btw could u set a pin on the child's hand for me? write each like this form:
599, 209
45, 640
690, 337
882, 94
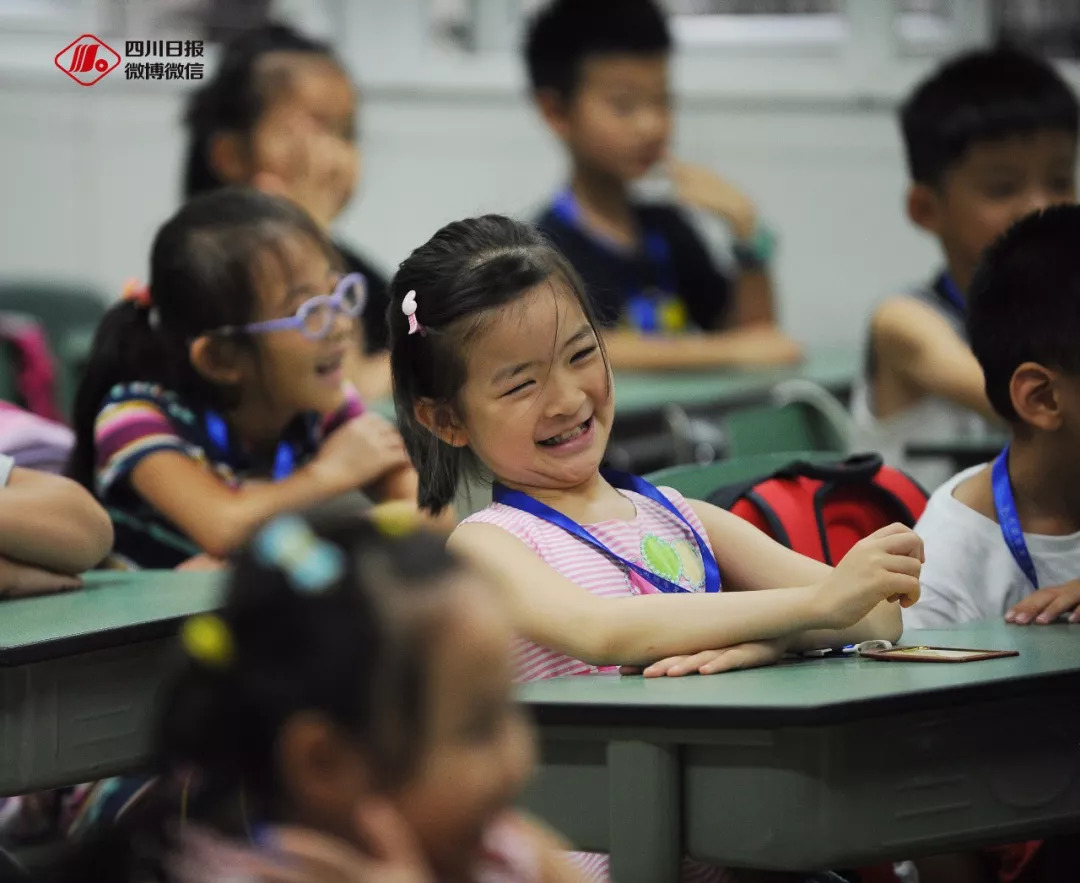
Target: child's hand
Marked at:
884, 566
358, 452
754, 654
1047, 605
22, 580
705, 189
309, 166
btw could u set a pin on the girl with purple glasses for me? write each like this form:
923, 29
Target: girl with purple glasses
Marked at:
217, 398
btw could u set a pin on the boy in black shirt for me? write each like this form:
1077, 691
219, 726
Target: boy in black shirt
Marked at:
600, 79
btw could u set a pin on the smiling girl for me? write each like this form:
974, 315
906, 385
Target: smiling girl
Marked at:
216, 398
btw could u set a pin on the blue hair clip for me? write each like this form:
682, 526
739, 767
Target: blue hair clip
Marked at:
310, 564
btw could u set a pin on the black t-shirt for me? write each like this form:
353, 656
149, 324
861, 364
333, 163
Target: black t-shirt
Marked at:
376, 335
616, 280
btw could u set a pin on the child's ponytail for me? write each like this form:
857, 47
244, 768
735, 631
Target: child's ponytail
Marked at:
127, 346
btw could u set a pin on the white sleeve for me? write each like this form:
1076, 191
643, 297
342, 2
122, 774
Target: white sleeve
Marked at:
6, 465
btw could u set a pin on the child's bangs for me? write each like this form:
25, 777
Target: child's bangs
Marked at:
514, 274
271, 255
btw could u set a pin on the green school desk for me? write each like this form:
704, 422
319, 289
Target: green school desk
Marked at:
79, 673
818, 763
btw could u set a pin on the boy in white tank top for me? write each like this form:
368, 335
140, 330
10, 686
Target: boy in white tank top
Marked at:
989, 137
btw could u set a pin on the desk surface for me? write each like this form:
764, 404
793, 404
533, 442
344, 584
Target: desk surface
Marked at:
809, 691
113, 608
643, 391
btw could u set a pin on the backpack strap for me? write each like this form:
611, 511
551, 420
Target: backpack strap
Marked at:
858, 468
727, 496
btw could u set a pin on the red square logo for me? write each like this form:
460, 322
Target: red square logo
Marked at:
87, 59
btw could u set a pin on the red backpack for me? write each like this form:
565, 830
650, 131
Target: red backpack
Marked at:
823, 509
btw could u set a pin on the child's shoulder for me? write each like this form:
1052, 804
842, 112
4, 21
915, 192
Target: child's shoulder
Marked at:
528, 528
904, 324
961, 511
907, 309
144, 404
149, 395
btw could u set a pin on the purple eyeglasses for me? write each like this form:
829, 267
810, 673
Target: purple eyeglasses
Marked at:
314, 317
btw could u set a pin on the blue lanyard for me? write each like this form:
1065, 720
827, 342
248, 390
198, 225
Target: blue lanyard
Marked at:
1005, 505
218, 430
641, 305
624, 481
951, 290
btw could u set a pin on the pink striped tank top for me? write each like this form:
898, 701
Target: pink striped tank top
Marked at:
654, 539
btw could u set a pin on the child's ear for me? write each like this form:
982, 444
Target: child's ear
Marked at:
321, 769
227, 155
924, 207
1035, 396
554, 108
217, 360
441, 421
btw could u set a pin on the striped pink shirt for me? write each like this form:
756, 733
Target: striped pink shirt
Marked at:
654, 539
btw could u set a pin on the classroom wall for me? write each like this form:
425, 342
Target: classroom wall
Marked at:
86, 175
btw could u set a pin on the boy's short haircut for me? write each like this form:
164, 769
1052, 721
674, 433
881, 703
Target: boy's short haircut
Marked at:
1024, 303
567, 32
980, 96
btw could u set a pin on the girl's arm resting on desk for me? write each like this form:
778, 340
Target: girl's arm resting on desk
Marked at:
763, 563
759, 562
554, 612
52, 522
18, 580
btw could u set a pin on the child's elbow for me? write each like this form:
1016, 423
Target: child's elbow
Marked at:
220, 541
601, 642
100, 537
90, 530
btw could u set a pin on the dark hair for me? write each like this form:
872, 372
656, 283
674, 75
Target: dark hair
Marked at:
354, 652
565, 33
1024, 303
237, 95
203, 276
981, 96
461, 276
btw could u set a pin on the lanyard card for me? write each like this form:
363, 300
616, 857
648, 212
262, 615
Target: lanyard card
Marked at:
935, 654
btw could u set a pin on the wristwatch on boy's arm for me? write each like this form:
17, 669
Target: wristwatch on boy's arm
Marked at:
754, 252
